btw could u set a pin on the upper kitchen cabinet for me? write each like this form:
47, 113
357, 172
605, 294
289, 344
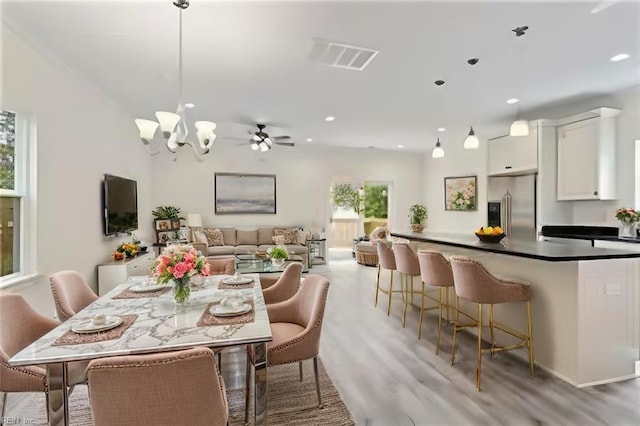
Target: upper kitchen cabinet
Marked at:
587, 156
514, 155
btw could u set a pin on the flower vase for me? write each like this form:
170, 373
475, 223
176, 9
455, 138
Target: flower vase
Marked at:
277, 262
627, 229
181, 290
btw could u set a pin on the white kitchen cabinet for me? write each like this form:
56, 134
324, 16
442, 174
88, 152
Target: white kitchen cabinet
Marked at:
587, 157
116, 272
511, 155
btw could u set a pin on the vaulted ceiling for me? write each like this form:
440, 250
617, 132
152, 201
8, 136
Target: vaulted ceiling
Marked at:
248, 62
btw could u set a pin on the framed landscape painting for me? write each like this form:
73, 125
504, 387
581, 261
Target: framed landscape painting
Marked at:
241, 193
461, 193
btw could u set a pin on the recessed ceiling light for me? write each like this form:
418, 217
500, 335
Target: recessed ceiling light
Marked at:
513, 101
189, 105
330, 118
620, 57
309, 140
400, 146
441, 129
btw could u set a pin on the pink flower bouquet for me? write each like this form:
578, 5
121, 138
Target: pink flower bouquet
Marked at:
180, 262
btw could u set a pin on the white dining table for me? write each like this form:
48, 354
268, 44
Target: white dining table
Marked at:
160, 326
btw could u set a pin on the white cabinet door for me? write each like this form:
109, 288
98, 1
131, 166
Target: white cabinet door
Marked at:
510, 155
578, 160
114, 273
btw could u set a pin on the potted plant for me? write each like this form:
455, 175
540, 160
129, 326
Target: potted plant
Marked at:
278, 255
166, 212
417, 217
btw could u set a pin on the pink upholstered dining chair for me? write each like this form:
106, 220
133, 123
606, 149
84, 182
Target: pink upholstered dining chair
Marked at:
435, 270
71, 293
20, 326
296, 325
474, 283
222, 266
286, 286
386, 260
170, 388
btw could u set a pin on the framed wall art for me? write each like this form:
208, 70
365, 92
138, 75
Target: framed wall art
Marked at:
461, 193
243, 193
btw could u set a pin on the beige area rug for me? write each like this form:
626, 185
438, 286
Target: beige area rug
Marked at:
291, 402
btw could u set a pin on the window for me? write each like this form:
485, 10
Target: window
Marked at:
17, 187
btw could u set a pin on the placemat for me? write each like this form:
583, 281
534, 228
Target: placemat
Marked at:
128, 294
72, 338
207, 319
223, 286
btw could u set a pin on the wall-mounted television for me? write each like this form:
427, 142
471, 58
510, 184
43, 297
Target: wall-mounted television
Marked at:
120, 205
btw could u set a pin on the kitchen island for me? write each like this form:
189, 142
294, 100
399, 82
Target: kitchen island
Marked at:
585, 302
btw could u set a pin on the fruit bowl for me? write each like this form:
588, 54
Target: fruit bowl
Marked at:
490, 238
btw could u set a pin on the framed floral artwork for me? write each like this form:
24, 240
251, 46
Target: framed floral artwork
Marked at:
461, 193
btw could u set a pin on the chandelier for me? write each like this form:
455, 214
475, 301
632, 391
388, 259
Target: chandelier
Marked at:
174, 125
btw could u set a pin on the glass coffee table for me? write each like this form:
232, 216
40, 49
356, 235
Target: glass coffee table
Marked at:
249, 263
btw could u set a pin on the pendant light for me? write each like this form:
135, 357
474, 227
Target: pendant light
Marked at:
519, 127
437, 152
471, 141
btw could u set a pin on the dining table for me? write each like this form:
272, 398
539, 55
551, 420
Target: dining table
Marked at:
152, 322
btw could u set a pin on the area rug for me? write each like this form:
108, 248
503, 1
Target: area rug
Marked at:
291, 402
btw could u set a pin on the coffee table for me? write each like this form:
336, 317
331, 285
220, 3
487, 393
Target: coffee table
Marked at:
248, 263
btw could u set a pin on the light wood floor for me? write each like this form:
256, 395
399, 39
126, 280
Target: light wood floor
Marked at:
387, 376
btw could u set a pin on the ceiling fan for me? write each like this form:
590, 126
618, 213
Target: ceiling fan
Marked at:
261, 140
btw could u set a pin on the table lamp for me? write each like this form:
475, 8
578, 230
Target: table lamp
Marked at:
194, 220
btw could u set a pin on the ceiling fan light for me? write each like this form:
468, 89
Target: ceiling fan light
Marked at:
147, 129
168, 122
264, 147
519, 128
268, 141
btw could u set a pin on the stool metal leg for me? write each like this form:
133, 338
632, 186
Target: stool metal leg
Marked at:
455, 330
421, 310
405, 282
491, 336
479, 366
390, 291
377, 286
442, 296
530, 338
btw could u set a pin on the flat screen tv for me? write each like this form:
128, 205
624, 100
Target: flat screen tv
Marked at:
120, 205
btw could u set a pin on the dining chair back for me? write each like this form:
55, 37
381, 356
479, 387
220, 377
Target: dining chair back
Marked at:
408, 266
386, 260
222, 266
71, 293
435, 270
170, 388
286, 286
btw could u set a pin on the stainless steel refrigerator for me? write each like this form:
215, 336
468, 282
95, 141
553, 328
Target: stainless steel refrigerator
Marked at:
523, 204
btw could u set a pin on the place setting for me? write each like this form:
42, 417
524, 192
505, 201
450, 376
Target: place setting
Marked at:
99, 328
143, 287
236, 281
228, 308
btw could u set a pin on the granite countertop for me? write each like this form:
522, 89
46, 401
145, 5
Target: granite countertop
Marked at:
540, 250
602, 233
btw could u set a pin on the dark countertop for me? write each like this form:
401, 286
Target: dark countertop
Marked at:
602, 233
540, 250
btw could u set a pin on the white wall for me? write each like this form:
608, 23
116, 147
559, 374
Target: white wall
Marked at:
303, 178
82, 134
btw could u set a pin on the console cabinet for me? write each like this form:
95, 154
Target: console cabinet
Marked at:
510, 155
587, 157
116, 272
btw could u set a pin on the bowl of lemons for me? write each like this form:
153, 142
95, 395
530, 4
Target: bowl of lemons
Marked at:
490, 234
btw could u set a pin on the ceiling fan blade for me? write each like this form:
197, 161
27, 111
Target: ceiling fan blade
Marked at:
284, 143
281, 138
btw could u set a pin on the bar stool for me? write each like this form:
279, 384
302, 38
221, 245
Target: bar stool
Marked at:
435, 270
408, 266
474, 283
386, 260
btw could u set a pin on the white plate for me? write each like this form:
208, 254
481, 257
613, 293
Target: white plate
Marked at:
138, 278
88, 326
144, 288
239, 281
229, 311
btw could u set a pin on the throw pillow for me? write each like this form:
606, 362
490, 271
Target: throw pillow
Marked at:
290, 235
302, 237
200, 237
214, 237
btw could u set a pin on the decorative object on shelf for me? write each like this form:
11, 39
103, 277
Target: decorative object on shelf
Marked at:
167, 224
174, 125
177, 265
460, 193
278, 255
417, 217
628, 219
125, 250
166, 212
243, 193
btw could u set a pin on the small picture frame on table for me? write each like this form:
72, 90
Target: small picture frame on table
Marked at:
164, 224
175, 224
165, 236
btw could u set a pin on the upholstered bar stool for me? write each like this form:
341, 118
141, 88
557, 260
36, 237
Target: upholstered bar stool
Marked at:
386, 260
408, 266
474, 283
435, 270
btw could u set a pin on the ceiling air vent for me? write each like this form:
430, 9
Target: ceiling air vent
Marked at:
341, 55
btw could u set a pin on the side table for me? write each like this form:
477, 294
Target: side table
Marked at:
317, 251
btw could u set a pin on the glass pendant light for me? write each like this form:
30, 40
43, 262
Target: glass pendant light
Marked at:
437, 152
472, 141
519, 128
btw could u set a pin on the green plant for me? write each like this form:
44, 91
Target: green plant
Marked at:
375, 201
278, 253
418, 214
347, 196
166, 212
